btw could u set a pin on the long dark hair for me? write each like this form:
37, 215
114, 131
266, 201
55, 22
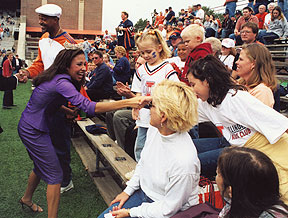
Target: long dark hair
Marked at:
60, 66
254, 182
215, 73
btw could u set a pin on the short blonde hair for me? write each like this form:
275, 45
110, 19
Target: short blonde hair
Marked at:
178, 102
194, 30
121, 50
156, 37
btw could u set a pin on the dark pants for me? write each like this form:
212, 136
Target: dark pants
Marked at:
8, 98
98, 94
60, 133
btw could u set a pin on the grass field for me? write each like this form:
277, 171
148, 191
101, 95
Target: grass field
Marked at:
15, 165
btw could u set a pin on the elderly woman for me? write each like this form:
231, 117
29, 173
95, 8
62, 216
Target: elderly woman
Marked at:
167, 175
121, 70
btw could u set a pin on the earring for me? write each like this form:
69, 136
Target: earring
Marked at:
161, 124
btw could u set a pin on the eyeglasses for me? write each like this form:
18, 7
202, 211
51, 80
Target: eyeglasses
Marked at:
245, 31
95, 58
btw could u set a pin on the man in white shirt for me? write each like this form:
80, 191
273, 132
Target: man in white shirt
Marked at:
200, 13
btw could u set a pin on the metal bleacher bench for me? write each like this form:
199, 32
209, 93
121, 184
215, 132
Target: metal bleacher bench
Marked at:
117, 158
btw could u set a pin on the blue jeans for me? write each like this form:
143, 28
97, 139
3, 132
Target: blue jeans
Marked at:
284, 7
209, 150
135, 200
231, 7
140, 142
267, 38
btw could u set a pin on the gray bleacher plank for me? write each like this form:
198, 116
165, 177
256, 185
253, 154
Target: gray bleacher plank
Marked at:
110, 153
106, 185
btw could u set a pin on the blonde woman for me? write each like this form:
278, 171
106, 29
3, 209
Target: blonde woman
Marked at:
257, 72
121, 70
167, 175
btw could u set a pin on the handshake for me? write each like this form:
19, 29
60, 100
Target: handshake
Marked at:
22, 76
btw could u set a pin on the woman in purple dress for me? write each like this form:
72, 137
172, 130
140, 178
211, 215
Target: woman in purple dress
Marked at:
61, 82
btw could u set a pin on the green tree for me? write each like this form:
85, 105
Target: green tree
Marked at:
140, 25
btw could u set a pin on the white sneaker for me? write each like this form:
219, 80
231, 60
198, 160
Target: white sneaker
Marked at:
67, 188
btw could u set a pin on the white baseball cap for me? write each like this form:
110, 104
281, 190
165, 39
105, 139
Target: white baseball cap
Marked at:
50, 10
228, 43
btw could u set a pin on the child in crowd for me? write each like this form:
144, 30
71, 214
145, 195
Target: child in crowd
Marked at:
154, 50
193, 37
244, 120
248, 181
228, 53
178, 62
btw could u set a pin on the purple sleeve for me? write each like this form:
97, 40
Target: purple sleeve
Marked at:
68, 91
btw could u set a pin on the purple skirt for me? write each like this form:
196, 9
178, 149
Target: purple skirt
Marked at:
41, 152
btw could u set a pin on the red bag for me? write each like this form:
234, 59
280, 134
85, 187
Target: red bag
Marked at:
209, 192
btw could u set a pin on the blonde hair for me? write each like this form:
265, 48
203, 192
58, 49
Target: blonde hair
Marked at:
156, 37
264, 70
215, 44
121, 50
194, 30
178, 102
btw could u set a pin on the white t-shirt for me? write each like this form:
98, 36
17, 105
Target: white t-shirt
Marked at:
180, 64
267, 20
241, 115
145, 78
227, 60
200, 13
168, 172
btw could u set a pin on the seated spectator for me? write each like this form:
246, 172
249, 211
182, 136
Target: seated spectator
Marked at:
261, 16
250, 189
174, 39
178, 62
228, 53
227, 26
179, 27
247, 17
148, 26
110, 46
102, 45
121, 70
257, 3
169, 31
161, 188
162, 30
193, 37
107, 61
257, 72
101, 84
215, 45
107, 36
248, 33
211, 26
91, 67
267, 20
240, 117
277, 28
